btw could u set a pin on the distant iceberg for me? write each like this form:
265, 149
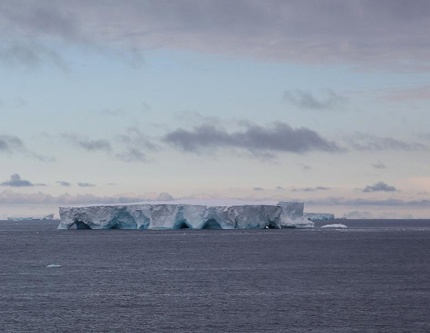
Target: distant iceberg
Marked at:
30, 218
334, 226
191, 214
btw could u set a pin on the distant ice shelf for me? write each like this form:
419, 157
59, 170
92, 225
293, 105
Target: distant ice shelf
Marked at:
29, 218
192, 214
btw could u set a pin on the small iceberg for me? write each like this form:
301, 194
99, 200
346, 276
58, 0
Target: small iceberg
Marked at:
334, 226
53, 266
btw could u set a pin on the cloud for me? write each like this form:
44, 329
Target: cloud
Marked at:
86, 184
306, 100
368, 142
135, 138
379, 165
258, 189
392, 202
11, 144
30, 55
380, 187
164, 196
16, 181
311, 189
279, 188
63, 183
11, 197
367, 33
136, 144
405, 95
132, 155
278, 137
88, 144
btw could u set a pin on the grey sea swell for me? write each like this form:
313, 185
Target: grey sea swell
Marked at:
372, 278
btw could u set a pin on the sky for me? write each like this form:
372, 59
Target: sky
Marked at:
325, 102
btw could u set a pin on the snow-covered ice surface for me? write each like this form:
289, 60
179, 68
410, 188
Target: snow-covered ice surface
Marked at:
319, 216
334, 226
193, 214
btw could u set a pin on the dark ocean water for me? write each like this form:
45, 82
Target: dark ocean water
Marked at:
372, 277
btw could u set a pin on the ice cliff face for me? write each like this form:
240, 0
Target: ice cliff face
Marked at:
175, 215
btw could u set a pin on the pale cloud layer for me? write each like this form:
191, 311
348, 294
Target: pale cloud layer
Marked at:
365, 32
370, 142
13, 145
87, 144
308, 101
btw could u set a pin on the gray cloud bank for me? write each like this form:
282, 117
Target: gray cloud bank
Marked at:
380, 187
368, 32
278, 137
261, 141
16, 181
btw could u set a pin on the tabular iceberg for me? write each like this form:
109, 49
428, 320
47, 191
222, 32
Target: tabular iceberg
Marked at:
187, 214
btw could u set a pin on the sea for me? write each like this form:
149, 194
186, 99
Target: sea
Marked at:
372, 277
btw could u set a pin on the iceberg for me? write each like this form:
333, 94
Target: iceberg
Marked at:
30, 218
334, 226
218, 214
